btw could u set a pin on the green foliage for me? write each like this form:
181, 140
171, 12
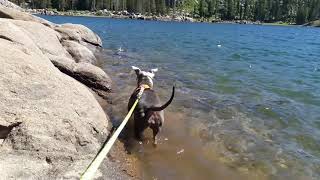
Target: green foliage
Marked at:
202, 8
299, 11
301, 15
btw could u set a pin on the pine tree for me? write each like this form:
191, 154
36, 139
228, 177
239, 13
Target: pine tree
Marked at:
299, 11
301, 15
230, 10
153, 6
211, 8
201, 8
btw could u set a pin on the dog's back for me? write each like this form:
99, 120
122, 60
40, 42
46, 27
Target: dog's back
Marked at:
148, 100
149, 111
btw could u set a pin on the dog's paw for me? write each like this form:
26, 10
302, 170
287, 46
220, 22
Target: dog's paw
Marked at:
155, 145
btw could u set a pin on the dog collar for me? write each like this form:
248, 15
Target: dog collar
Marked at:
141, 88
145, 86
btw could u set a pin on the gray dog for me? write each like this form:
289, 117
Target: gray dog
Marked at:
149, 111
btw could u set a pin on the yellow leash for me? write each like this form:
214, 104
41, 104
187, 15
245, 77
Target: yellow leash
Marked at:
93, 167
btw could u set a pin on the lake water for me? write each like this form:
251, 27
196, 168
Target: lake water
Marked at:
247, 101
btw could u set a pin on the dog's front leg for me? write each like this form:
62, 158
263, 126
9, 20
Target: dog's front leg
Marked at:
139, 127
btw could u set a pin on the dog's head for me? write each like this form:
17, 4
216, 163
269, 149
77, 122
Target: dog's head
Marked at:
145, 77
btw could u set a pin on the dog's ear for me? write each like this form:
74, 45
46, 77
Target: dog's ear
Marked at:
154, 70
136, 69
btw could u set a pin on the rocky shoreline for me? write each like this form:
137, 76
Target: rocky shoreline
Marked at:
113, 14
137, 16
177, 17
315, 23
52, 124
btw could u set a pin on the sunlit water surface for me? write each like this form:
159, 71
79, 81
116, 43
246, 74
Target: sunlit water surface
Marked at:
247, 101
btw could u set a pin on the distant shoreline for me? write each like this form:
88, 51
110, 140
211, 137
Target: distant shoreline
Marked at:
168, 18
126, 15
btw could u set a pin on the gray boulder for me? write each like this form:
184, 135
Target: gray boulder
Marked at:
86, 73
79, 52
46, 39
13, 33
9, 4
13, 13
93, 77
64, 64
79, 33
70, 43
49, 122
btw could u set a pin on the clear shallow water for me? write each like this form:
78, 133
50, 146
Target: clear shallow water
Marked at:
253, 103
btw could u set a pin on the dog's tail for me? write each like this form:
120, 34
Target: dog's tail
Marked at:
165, 105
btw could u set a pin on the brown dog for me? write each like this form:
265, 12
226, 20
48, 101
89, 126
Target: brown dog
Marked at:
149, 111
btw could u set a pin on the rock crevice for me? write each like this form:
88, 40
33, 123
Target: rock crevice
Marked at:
5, 130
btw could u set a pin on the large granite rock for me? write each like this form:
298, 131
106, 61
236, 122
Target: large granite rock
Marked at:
9, 4
16, 13
50, 123
81, 34
9, 31
63, 42
79, 52
87, 74
45, 38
